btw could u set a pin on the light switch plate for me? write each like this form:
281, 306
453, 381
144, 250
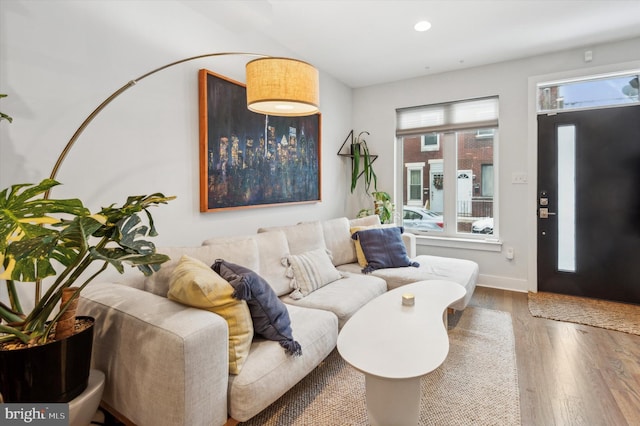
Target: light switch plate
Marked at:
509, 254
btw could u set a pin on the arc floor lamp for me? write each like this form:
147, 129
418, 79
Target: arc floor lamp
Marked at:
275, 86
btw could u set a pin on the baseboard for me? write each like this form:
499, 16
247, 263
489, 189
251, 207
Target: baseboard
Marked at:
503, 283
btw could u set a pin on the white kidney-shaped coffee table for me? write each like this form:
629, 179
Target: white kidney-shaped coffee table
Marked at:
394, 345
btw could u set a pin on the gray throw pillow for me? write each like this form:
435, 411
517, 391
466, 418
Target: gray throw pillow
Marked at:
269, 315
383, 248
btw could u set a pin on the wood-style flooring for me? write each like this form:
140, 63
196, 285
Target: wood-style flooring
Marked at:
570, 374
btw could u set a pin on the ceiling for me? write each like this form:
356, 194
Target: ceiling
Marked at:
363, 43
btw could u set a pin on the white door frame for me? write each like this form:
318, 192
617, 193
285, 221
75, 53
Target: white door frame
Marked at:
532, 151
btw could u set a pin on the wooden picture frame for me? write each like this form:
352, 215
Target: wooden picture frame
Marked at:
239, 166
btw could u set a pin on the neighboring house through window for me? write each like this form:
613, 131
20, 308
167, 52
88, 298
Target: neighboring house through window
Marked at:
448, 164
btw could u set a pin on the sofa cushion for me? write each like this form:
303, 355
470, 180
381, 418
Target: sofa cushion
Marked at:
269, 315
337, 237
301, 237
383, 248
343, 297
269, 373
309, 271
271, 248
370, 220
243, 250
461, 271
195, 284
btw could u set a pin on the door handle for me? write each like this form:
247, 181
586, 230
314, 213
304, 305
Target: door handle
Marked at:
544, 213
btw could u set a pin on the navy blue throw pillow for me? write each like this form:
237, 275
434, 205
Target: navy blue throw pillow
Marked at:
383, 248
269, 315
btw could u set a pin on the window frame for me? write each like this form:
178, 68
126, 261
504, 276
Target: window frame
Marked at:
450, 237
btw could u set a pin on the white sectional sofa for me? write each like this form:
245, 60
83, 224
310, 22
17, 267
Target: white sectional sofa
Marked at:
167, 363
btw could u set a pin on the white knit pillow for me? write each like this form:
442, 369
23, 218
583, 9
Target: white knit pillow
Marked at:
309, 271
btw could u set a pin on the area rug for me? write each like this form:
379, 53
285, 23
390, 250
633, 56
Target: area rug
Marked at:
476, 385
582, 310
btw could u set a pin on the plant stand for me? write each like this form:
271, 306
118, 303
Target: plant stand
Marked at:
83, 407
349, 138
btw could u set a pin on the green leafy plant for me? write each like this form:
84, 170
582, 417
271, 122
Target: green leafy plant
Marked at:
4, 116
360, 154
382, 206
42, 238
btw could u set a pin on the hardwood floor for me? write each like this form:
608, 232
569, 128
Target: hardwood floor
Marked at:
570, 374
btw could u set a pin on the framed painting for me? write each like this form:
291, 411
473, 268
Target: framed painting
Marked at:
249, 159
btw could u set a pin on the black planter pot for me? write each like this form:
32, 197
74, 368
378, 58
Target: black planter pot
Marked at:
55, 372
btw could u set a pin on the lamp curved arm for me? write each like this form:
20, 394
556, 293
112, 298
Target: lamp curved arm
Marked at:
118, 92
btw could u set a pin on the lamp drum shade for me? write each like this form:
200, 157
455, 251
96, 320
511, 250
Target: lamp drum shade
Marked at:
282, 86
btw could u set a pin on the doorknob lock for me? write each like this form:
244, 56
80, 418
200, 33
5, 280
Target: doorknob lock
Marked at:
544, 213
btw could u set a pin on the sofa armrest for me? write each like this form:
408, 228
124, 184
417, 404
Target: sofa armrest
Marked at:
164, 363
409, 240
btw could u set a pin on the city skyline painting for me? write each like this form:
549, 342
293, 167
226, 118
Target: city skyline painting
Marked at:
249, 159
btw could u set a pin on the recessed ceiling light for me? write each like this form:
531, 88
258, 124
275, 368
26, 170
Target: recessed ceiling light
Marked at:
422, 26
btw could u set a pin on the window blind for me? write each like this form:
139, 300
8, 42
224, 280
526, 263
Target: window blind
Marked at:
450, 116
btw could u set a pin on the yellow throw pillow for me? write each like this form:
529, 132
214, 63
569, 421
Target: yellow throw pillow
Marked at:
195, 284
362, 260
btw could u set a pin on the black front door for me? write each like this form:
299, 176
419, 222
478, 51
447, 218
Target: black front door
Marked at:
589, 203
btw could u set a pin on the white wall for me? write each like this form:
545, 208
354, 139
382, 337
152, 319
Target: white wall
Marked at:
374, 110
60, 59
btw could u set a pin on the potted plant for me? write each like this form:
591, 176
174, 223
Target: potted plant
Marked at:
382, 206
360, 153
61, 239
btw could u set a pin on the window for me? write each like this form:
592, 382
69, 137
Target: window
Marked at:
607, 90
484, 133
453, 180
415, 185
430, 142
487, 180
415, 182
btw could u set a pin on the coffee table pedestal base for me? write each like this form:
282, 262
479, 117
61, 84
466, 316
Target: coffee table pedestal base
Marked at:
395, 344
392, 401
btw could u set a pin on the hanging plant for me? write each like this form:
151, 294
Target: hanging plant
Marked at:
362, 157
